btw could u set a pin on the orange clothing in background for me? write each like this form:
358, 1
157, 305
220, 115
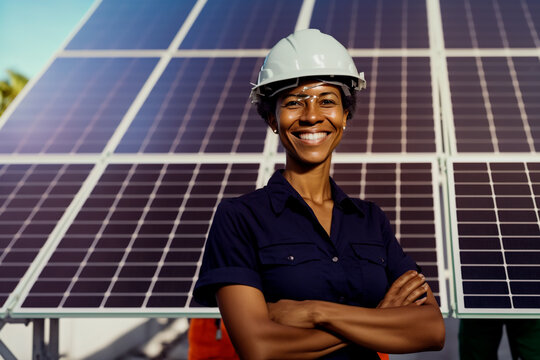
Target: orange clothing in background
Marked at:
207, 343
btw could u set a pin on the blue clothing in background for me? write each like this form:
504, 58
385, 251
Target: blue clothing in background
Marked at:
270, 239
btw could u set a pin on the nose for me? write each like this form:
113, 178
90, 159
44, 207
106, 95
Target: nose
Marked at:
312, 112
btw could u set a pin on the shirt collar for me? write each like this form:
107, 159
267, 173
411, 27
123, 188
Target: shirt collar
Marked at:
280, 191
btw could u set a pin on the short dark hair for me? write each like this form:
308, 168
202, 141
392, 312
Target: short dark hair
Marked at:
267, 104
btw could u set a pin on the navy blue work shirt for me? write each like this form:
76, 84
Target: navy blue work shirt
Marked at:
270, 239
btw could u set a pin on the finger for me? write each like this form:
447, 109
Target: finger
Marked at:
406, 277
413, 284
414, 295
396, 286
402, 288
420, 301
411, 290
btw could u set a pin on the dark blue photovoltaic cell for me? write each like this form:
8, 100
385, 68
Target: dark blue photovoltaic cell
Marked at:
510, 122
75, 107
199, 105
132, 24
138, 238
498, 234
33, 198
490, 23
373, 24
242, 24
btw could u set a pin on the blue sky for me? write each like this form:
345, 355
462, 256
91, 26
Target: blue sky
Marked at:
31, 31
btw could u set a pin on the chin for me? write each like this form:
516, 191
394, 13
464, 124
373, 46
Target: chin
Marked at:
310, 160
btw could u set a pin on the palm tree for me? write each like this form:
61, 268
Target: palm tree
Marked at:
11, 88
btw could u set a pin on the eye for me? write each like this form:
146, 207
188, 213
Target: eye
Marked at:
328, 102
292, 104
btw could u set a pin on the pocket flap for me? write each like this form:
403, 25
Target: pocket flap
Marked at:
289, 253
371, 252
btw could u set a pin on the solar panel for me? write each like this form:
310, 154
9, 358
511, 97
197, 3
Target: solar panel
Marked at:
132, 24
395, 113
75, 106
165, 134
496, 237
375, 24
495, 103
137, 240
33, 198
490, 23
242, 24
200, 105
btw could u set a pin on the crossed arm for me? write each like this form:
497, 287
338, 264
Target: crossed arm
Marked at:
310, 329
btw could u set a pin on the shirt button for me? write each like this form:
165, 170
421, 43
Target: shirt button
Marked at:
335, 259
290, 258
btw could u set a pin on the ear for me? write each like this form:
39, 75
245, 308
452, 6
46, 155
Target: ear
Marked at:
345, 115
272, 122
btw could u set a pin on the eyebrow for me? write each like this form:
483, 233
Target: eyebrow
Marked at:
304, 95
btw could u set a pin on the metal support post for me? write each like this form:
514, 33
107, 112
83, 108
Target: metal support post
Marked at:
41, 349
54, 330
38, 340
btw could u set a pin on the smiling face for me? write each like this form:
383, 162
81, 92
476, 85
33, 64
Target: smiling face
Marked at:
310, 120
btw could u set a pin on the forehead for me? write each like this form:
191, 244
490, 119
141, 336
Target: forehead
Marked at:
312, 87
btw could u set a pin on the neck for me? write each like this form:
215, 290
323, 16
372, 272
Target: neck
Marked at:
312, 183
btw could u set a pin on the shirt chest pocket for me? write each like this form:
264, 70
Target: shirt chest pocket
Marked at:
372, 253
290, 271
289, 254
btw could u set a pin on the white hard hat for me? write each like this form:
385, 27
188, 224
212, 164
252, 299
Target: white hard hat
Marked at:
307, 53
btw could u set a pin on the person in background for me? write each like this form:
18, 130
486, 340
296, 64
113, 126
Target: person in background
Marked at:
299, 269
479, 339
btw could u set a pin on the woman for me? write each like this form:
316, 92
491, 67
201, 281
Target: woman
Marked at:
298, 269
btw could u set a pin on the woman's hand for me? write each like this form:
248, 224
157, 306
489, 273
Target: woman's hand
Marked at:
406, 290
292, 313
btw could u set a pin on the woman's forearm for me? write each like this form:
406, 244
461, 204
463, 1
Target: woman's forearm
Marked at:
274, 341
393, 330
401, 323
256, 336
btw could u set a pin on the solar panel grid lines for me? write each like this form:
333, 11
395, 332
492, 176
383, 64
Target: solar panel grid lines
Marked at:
33, 199
398, 118
506, 86
199, 83
407, 18
495, 232
154, 76
242, 24
80, 102
128, 25
490, 24
132, 246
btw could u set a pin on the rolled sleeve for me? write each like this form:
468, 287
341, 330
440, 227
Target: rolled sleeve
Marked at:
229, 255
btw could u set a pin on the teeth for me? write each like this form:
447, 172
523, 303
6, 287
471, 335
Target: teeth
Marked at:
312, 136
